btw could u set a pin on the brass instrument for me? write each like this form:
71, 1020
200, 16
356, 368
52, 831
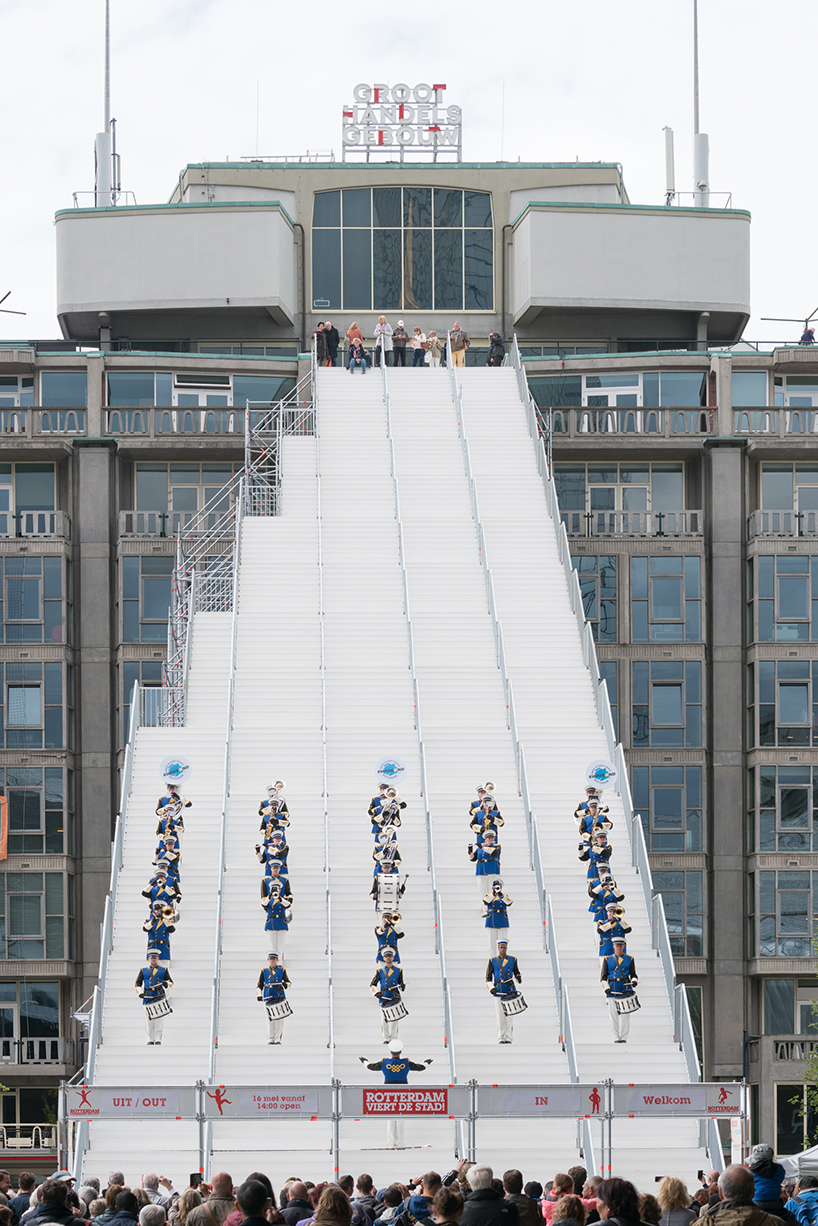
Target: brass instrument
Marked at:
619, 911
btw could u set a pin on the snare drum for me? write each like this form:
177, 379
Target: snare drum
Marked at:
277, 1011
158, 1008
513, 1004
395, 1013
627, 1004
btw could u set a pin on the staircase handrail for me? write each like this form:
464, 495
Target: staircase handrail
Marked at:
323, 670
636, 837
531, 406
430, 847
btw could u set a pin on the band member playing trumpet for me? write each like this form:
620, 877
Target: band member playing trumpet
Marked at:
387, 985
603, 891
387, 934
594, 820
274, 851
159, 925
279, 914
485, 801
597, 853
173, 800
172, 823
270, 990
496, 905
619, 975
168, 848
487, 856
501, 973
159, 891
152, 984
274, 880
610, 928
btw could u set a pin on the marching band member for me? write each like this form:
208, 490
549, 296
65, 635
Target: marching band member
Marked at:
272, 878
619, 974
168, 848
375, 806
152, 984
174, 800
389, 816
591, 793
485, 801
501, 972
387, 985
386, 852
274, 852
395, 1069
496, 905
159, 891
611, 927
485, 819
171, 822
597, 853
270, 990
384, 869
594, 820
486, 857
387, 935
273, 809
159, 926
279, 914
603, 892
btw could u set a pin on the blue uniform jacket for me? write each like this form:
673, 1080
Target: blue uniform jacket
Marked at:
159, 936
387, 984
607, 931
167, 897
618, 974
497, 916
172, 824
388, 940
598, 858
488, 862
503, 972
152, 982
268, 853
271, 984
276, 916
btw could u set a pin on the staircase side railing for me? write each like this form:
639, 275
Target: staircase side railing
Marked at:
636, 837
537, 423
448, 1021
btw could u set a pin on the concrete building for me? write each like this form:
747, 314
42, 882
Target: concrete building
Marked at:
687, 482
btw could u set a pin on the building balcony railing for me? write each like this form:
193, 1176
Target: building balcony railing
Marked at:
633, 523
28, 1136
158, 423
42, 423
791, 1047
660, 423
780, 423
34, 523
168, 523
36, 1051
782, 523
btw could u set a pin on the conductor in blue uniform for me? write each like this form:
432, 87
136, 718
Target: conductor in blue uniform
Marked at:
619, 976
396, 1069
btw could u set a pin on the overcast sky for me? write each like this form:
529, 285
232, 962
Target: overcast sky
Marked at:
596, 81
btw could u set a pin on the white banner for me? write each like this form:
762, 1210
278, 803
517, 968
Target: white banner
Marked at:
90, 1102
699, 1098
254, 1102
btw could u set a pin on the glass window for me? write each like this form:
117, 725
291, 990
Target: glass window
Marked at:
326, 209
749, 389
34, 487
263, 388
386, 207
326, 269
666, 604
25, 707
131, 389
597, 582
667, 700
477, 209
449, 269
63, 388
357, 269
417, 207
682, 389
387, 269
417, 270
478, 270
146, 598
682, 897
34, 928
448, 207
556, 391
357, 210
785, 912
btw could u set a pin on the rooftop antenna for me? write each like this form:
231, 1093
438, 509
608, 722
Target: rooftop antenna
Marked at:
7, 310
103, 196
768, 319
701, 142
670, 168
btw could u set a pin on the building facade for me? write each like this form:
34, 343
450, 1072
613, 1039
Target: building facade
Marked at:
687, 482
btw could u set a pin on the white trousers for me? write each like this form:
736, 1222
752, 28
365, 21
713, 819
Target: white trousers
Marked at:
154, 1027
434, 362
394, 1132
505, 1028
275, 941
275, 1029
620, 1022
389, 1030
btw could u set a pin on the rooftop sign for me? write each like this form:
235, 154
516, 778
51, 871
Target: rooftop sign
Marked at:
391, 118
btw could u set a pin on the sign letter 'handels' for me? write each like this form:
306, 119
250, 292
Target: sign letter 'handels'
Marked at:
389, 118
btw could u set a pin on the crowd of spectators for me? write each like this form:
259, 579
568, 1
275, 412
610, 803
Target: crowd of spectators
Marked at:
469, 1195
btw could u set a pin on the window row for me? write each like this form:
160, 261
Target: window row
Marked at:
666, 597
143, 389
35, 600
669, 802
41, 809
597, 488
782, 703
183, 489
682, 895
781, 907
25, 487
782, 804
782, 599
38, 918
790, 1006
676, 389
37, 706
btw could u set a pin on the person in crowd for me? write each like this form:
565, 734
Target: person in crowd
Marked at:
387, 934
612, 926
807, 336
273, 809
271, 989
359, 1217
486, 1206
387, 985
333, 1208
619, 975
357, 356
735, 1207
392, 1200
298, 1206
533, 1189
151, 1185
396, 1069
569, 1211
127, 1209
142, 1199
354, 333
562, 1185
111, 1193
768, 1176
486, 856
18, 1204
254, 1199
418, 343
598, 854
383, 341
497, 350
434, 347
96, 1208
447, 1207
650, 1211
152, 985
366, 1197
152, 1215
320, 345
332, 340
500, 975
579, 1176
220, 1203
803, 1203
278, 911
399, 338
158, 926
674, 1200
528, 1210
53, 1205
459, 343
188, 1200
618, 1201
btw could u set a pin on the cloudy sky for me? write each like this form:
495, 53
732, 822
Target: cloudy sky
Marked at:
593, 81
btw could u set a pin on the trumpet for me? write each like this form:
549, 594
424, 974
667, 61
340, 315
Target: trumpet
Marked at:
619, 911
